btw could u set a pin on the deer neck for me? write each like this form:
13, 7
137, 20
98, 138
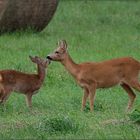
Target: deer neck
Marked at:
70, 65
41, 73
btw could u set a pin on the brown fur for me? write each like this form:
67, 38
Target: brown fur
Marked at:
28, 84
93, 75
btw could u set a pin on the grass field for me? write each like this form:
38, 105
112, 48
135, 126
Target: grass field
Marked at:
95, 31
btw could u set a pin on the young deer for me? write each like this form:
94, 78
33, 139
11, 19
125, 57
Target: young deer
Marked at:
93, 75
28, 84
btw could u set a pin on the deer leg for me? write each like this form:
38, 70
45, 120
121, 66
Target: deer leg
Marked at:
92, 91
29, 100
131, 95
84, 99
1, 93
135, 84
5, 97
1, 97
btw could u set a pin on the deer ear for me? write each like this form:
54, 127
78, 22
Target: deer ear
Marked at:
63, 44
32, 58
36, 57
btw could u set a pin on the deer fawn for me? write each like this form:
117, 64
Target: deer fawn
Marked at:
93, 75
28, 84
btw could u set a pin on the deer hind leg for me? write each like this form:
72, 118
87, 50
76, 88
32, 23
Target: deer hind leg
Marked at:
84, 99
131, 95
29, 100
135, 84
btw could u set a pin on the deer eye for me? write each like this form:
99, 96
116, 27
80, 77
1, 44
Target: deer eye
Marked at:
56, 52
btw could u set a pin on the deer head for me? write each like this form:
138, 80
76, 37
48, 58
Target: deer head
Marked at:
42, 62
60, 53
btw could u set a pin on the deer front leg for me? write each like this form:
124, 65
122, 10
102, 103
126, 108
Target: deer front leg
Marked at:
1, 97
5, 97
92, 91
84, 99
1, 93
29, 100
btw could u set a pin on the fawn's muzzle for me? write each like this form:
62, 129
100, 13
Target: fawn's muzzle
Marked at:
49, 61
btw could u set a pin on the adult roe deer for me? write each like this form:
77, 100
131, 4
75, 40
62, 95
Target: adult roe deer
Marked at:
28, 84
93, 75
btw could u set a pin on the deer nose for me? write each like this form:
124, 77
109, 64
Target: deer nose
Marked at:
48, 57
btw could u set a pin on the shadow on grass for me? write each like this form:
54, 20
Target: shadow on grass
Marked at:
57, 125
135, 115
98, 106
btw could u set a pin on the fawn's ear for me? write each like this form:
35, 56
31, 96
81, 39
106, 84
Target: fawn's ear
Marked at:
32, 58
63, 44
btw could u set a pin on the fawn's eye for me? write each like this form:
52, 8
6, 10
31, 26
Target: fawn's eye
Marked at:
56, 52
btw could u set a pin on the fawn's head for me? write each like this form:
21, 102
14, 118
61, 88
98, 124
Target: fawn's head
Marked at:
40, 61
60, 53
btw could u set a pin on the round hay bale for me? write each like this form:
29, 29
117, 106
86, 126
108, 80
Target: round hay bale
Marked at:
22, 14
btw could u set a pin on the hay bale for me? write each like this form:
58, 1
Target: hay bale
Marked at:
21, 14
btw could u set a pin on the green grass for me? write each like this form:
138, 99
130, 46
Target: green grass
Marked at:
95, 31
